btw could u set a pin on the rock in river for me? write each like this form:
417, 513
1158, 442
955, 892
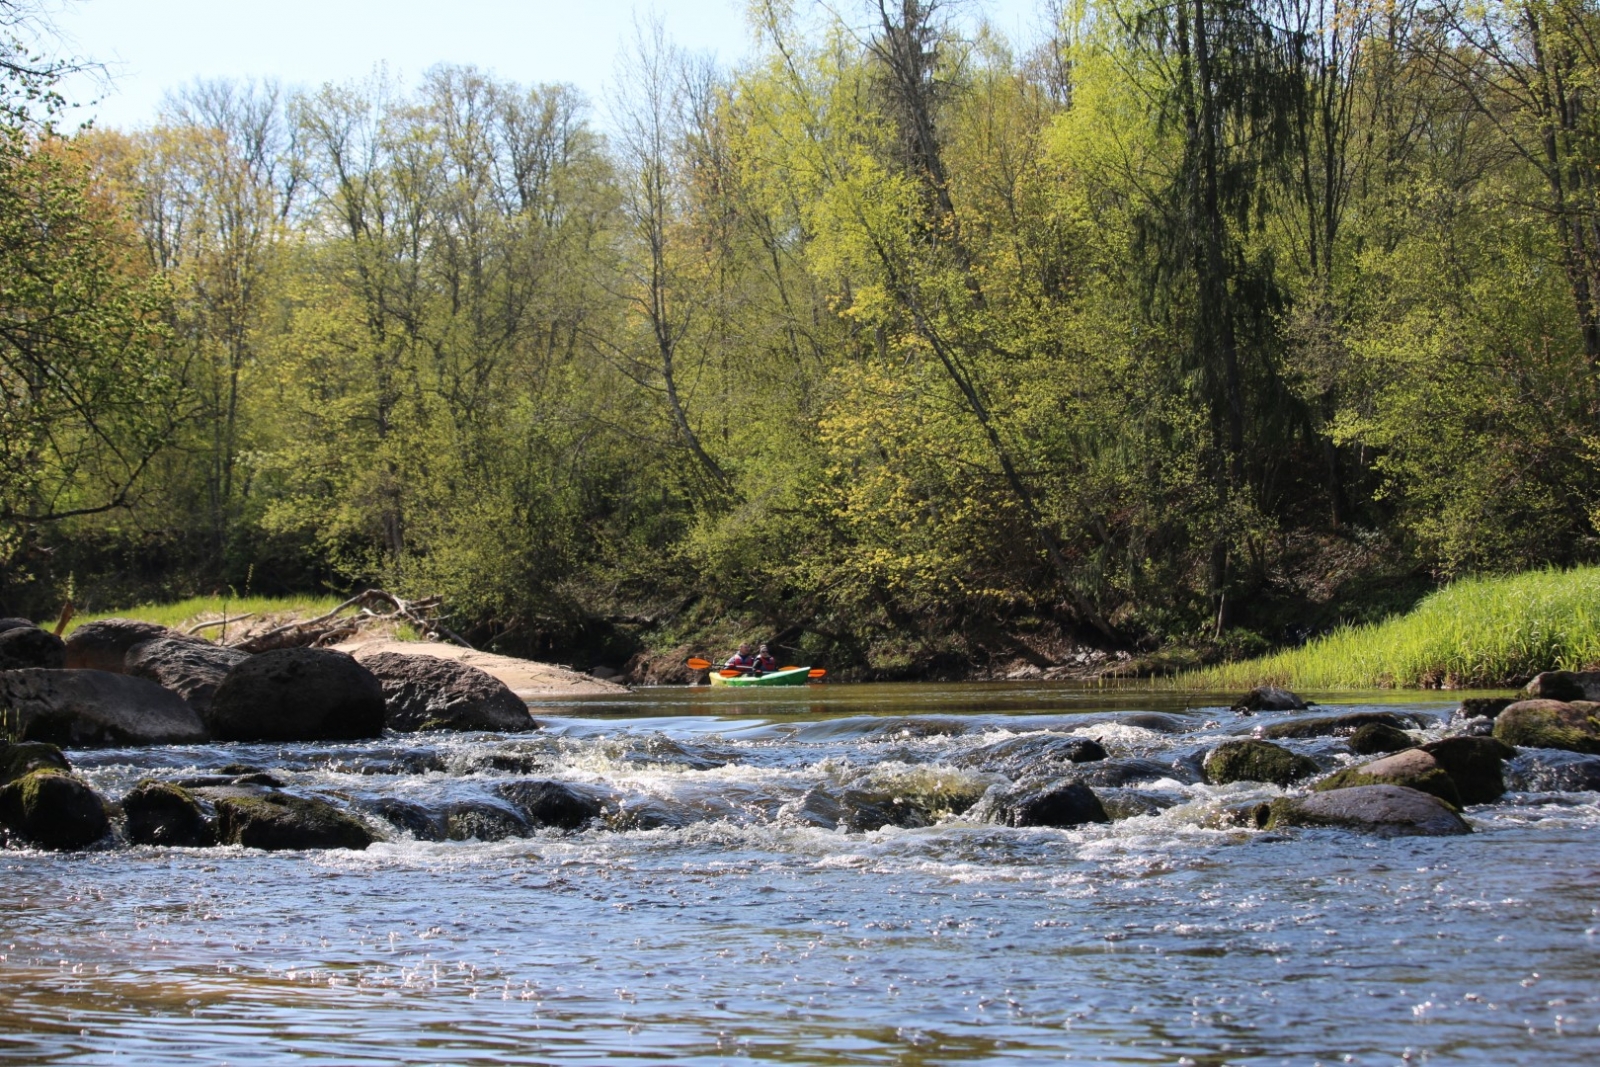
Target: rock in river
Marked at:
1256, 761
1413, 769
1376, 738
1385, 810
53, 810
1565, 685
1061, 805
1331, 725
426, 693
1551, 724
1475, 764
161, 813
192, 669
1269, 698
29, 646
103, 645
297, 694
95, 709
267, 819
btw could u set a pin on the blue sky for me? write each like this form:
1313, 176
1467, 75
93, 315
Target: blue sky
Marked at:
153, 46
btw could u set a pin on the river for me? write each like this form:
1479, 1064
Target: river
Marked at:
780, 878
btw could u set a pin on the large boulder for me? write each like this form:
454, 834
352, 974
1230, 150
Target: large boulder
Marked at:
1062, 805
53, 810
95, 709
427, 693
1413, 769
103, 645
192, 669
1332, 725
21, 758
267, 819
11, 623
28, 646
297, 694
1565, 686
1256, 761
1385, 810
161, 813
1268, 698
1475, 764
1572, 726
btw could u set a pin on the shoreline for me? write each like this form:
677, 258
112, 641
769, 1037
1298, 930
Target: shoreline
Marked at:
525, 677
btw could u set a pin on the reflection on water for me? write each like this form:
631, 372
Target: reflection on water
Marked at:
723, 914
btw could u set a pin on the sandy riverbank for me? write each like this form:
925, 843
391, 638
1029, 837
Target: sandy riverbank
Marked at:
525, 677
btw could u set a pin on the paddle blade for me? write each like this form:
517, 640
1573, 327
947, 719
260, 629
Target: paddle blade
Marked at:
698, 664
730, 673
816, 673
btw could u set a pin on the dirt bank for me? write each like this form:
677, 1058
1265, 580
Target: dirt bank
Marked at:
526, 678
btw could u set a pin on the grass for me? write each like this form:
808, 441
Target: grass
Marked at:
1476, 633
184, 613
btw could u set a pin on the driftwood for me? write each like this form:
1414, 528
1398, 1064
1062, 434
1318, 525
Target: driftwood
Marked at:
197, 627
334, 626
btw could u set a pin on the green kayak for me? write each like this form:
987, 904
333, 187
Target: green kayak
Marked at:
792, 676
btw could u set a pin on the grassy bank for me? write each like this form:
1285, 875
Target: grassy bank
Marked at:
1476, 633
184, 613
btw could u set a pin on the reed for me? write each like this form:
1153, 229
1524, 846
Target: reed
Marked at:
1475, 633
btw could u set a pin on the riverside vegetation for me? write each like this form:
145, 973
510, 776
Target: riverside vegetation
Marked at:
1202, 326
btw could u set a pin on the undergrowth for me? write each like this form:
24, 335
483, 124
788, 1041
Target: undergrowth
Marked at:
183, 613
1475, 633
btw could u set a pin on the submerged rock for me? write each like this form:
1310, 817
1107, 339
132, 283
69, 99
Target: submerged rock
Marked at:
297, 694
1376, 737
1574, 726
1032, 754
1565, 686
53, 810
426, 693
28, 646
192, 669
1385, 810
1256, 761
1481, 708
96, 709
414, 819
1413, 769
552, 804
161, 813
104, 645
1332, 725
274, 821
479, 821
1269, 698
1553, 771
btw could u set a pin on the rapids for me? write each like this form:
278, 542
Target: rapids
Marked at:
811, 877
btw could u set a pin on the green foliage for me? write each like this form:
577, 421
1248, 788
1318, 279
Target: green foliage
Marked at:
1480, 633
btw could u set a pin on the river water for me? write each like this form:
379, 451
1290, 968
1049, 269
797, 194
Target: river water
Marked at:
780, 877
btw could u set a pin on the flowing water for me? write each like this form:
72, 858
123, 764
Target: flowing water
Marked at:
783, 876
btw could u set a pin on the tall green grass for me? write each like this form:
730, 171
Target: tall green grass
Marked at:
1476, 633
183, 612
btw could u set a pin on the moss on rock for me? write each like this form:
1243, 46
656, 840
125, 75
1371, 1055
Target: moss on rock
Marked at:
274, 821
53, 810
1412, 769
1376, 738
161, 813
1256, 761
1550, 724
25, 757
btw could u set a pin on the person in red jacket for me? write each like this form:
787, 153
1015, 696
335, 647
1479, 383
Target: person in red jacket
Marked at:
764, 661
741, 660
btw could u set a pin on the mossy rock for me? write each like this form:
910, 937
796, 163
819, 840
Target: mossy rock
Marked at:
274, 821
161, 813
53, 810
1256, 761
1574, 726
24, 757
1474, 764
1332, 725
1384, 810
1377, 738
1412, 769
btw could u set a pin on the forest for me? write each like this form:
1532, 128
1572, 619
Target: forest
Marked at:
1189, 327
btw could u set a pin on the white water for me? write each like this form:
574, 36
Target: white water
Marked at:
724, 912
